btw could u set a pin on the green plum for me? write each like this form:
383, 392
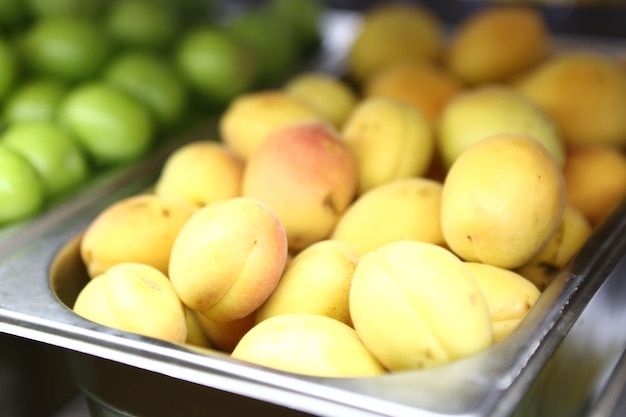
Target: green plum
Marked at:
142, 23
58, 160
35, 99
151, 80
111, 126
71, 48
305, 16
269, 37
191, 11
41, 8
216, 64
8, 68
21, 191
13, 14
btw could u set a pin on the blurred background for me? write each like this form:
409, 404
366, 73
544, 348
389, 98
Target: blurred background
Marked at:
586, 17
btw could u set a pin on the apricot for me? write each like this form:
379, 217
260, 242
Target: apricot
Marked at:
496, 44
307, 175
404, 209
574, 231
392, 32
329, 95
140, 228
224, 335
389, 139
250, 118
307, 344
421, 83
200, 173
502, 201
317, 280
595, 177
490, 110
584, 92
508, 294
136, 298
416, 305
195, 333
228, 257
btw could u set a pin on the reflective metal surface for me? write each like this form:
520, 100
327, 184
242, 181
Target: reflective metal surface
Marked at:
586, 376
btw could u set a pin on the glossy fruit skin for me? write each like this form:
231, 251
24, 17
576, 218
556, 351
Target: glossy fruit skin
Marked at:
65, 47
251, 245
137, 298
215, 64
42, 8
150, 79
21, 190
502, 201
271, 40
303, 16
58, 160
145, 24
36, 99
110, 126
13, 14
415, 305
8, 69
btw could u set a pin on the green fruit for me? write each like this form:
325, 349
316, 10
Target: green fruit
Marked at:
41, 8
142, 23
111, 126
21, 191
149, 79
36, 99
12, 14
196, 10
8, 69
59, 162
304, 16
269, 37
70, 48
216, 64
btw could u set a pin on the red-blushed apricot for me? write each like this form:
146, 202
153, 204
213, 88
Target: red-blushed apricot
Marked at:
250, 118
228, 258
307, 175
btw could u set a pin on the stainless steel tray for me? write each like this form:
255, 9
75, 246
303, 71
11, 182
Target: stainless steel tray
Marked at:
127, 374
488, 384
586, 375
